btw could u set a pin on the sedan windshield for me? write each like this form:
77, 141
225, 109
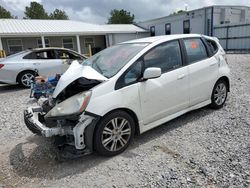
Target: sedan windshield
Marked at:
109, 61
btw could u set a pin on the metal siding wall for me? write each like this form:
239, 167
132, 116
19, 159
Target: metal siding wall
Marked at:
197, 24
220, 32
160, 29
234, 37
223, 43
239, 44
240, 31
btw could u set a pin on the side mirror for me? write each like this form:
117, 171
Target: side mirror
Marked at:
151, 72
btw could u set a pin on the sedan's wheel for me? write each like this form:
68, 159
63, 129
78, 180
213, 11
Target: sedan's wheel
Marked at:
25, 78
219, 95
114, 133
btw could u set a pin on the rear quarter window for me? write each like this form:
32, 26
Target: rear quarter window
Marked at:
212, 45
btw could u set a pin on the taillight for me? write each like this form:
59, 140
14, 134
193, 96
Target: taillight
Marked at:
1, 66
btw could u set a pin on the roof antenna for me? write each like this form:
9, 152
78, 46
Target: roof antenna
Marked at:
186, 7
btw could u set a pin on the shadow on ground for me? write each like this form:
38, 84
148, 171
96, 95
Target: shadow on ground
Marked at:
40, 162
5, 88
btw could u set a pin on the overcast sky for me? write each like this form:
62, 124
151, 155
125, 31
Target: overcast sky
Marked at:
97, 11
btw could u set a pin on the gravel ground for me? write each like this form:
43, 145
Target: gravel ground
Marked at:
204, 148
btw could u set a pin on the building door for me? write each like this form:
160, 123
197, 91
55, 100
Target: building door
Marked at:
186, 26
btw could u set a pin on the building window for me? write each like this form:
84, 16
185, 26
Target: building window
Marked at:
89, 41
40, 45
68, 43
152, 31
15, 45
186, 26
168, 29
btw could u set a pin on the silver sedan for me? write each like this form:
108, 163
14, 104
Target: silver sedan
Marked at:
21, 68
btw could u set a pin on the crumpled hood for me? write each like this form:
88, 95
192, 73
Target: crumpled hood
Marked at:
74, 72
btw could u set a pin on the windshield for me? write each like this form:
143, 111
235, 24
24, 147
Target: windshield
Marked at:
109, 61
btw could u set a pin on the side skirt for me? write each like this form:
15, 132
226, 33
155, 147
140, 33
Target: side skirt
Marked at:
144, 128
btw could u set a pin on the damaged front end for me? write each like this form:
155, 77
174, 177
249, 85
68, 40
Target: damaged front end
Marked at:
63, 115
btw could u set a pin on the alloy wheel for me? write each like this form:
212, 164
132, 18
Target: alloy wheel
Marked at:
26, 79
220, 94
116, 134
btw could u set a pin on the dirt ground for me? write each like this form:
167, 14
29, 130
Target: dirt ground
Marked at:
204, 148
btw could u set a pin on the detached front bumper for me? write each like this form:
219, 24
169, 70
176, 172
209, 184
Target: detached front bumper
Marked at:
31, 119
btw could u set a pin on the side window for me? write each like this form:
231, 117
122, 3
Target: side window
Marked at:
131, 76
166, 56
212, 46
196, 50
49, 54
74, 56
62, 54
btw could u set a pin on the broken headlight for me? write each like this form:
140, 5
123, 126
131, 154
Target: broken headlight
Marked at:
71, 106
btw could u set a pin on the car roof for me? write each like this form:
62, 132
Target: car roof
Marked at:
163, 38
51, 48
54, 48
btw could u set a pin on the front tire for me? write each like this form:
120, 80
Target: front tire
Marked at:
114, 133
25, 78
219, 95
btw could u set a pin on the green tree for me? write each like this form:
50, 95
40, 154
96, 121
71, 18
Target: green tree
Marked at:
59, 15
178, 12
120, 17
35, 11
4, 13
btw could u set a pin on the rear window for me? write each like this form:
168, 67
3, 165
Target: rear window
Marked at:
196, 50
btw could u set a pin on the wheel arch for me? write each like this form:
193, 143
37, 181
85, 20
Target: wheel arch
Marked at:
26, 70
131, 113
226, 79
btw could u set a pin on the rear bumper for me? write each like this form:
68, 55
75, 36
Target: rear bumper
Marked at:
34, 125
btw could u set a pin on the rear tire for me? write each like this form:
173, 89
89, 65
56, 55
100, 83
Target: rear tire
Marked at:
114, 133
25, 78
219, 95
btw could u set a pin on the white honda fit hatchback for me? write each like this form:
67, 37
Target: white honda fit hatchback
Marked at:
131, 88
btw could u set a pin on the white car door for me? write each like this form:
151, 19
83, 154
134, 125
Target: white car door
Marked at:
168, 94
45, 62
203, 71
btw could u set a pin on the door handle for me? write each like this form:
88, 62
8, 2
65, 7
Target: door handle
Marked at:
181, 76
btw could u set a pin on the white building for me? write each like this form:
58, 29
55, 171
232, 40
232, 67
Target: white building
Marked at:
17, 35
231, 24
